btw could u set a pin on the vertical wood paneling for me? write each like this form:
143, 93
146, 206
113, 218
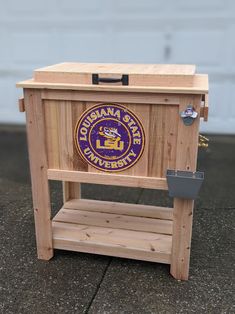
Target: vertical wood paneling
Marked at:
162, 139
170, 136
73, 189
51, 133
156, 140
65, 132
60, 121
78, 107
66, 149
160, 127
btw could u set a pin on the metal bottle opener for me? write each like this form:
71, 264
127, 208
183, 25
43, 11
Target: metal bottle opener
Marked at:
188, 115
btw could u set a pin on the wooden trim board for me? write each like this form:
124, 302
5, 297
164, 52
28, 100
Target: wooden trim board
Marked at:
136, 98
107, 179
200, 86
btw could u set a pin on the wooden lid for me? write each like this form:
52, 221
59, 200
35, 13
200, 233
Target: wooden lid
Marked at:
137, 76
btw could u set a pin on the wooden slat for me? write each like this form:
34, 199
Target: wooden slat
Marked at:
187, 148
65, 133
162, 139
114, 242
138, 210
156, 141
51, 133
66, 141
38, 168
170, 135
78, 107
119, 221
57, 122
100, 96
107, 179
74, 188
187, 139
65, 191
60, 121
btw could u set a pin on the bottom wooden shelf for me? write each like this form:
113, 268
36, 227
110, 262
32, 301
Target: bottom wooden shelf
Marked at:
115, 229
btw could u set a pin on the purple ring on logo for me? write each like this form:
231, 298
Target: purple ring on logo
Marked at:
109, 137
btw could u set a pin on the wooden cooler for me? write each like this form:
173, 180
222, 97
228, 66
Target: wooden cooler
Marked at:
115, 124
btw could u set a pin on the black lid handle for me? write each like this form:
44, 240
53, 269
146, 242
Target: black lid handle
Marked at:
96, 79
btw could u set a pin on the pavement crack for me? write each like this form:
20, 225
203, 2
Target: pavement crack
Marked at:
98, 286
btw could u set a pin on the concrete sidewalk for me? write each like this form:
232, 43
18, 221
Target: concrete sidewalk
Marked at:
84, 283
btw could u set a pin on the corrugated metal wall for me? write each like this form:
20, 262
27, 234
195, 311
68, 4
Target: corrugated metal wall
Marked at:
38, 33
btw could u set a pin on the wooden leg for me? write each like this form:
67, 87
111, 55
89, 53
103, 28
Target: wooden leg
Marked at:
186, 159
38, 169
181, 239
71, 190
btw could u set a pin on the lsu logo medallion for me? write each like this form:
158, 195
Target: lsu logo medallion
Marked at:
109, 137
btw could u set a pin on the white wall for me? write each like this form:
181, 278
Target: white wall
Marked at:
39, 33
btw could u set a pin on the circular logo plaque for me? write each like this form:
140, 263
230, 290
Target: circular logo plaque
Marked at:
109, 137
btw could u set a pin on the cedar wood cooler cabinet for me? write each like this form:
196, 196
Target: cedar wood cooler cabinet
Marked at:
113, 124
